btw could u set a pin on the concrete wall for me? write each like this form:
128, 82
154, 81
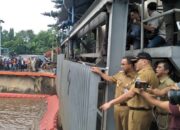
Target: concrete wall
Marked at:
27, 84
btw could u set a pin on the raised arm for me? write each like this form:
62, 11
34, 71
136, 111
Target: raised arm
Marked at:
103, 75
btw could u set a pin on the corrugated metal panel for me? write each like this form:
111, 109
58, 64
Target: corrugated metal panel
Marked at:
77, 89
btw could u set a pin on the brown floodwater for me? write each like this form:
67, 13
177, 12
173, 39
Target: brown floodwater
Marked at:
21, 114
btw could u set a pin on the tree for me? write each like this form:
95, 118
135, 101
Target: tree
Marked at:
11, 34
55, 14
26, 42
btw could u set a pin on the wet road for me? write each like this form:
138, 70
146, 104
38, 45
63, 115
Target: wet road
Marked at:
21, 114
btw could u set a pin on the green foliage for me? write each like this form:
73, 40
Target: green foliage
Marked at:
26, 42
11, 34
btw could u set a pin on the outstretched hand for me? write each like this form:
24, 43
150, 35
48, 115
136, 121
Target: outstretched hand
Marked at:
96, 70
105, 106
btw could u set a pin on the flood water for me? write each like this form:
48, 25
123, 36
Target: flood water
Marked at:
21, 114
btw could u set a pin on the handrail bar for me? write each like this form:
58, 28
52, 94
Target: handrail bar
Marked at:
142, 27
162, 14
152, 18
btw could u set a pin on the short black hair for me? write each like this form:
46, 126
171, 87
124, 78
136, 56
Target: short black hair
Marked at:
167, 65
152, 6
129, 59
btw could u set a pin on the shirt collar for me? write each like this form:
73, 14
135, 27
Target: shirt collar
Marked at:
131, 74
163, 78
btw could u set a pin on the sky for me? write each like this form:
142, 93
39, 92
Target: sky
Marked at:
26, 14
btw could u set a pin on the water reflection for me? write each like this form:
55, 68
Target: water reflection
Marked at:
21, 114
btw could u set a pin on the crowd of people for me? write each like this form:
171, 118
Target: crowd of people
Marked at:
29, 63
20, 64
141, 101
161, 31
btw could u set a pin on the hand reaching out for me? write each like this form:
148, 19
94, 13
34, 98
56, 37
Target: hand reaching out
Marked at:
96, 70
105, 106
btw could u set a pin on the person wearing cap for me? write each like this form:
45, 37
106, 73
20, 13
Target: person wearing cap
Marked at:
123, 80
140, 116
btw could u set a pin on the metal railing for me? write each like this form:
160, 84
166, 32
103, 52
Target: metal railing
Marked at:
152, 18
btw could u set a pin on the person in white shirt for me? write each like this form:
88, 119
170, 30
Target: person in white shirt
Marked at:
155, 25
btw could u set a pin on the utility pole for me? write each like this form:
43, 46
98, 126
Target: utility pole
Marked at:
1, 21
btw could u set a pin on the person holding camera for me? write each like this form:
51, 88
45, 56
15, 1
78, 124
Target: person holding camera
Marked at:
140, 116
172, 106
123, 81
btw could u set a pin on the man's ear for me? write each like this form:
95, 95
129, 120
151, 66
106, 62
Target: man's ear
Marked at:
167, 71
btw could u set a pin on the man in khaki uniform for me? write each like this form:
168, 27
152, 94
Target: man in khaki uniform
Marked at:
162, 71
140, 116
123, 80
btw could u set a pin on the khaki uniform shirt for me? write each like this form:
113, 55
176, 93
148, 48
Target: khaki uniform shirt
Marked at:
148, 75
163, 83
123, 82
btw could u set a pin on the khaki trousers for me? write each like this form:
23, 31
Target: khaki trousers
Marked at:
121, 117
139, 120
